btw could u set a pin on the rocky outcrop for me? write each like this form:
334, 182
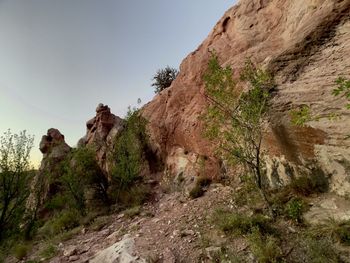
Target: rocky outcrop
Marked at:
55, 150
101, 131
305, 45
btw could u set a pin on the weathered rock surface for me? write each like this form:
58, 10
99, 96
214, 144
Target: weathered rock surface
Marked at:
305, 44
120, 252
101, 131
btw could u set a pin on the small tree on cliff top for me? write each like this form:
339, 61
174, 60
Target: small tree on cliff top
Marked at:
163, 78
235, 119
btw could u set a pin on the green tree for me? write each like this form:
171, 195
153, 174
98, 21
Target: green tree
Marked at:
235, 119
15, 177
163, 78
81, 173
129, 151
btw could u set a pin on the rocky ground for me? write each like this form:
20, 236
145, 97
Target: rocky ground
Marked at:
175, 228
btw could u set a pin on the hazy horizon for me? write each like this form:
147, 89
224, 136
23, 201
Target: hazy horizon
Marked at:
61, 58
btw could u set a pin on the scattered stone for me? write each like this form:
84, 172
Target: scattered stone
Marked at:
70, 251
73, 258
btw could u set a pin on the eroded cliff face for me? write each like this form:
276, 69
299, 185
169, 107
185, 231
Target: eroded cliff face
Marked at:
306, 46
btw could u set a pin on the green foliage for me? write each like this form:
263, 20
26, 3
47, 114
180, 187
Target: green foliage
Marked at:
49, 251
21, 250
235, 119
343, 89
133, 211
301, 115
264, 248
15, 177
128, 152
294, 209
236, 223
200, 185
338, 231
163, 78
248, 194
81, 173
320, 250
60, 223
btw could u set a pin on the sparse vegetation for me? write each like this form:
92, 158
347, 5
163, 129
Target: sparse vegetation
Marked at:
49, 251
343, 89
264, 248
338, 231
163, 78
21, 250
237, 223
294, 209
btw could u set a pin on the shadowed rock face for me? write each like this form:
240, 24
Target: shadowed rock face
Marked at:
305, 44
101, 132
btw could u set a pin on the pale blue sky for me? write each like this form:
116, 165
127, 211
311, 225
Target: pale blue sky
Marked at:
60, 58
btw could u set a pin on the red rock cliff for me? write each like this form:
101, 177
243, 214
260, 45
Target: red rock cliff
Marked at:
306, 45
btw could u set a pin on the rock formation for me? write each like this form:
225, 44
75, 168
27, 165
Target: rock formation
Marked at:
305, 45
101, 131
55, 150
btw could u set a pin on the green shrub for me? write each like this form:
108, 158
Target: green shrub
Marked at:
99, 223
128, 155
264, 248
49, 251
163, 78
82, 174
133, 211
134, 196
65, 221
248, 193
294, 209
320, 250
339, 231
235, 223
21, 250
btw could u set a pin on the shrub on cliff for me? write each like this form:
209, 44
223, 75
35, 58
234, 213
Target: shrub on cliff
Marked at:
163, 78
15, 177
128, 154
235, 119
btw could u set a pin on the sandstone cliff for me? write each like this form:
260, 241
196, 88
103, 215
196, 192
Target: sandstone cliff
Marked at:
305, 45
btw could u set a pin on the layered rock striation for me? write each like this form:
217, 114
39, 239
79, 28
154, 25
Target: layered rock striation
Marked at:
305, 45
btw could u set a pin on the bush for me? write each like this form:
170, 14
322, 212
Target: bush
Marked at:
21, 250
66, 220
81, 175
128, 154
235, 223
163, 78
49, 251
294, 209
339, 231
264, 248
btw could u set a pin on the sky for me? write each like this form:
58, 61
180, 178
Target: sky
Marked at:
60, 58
